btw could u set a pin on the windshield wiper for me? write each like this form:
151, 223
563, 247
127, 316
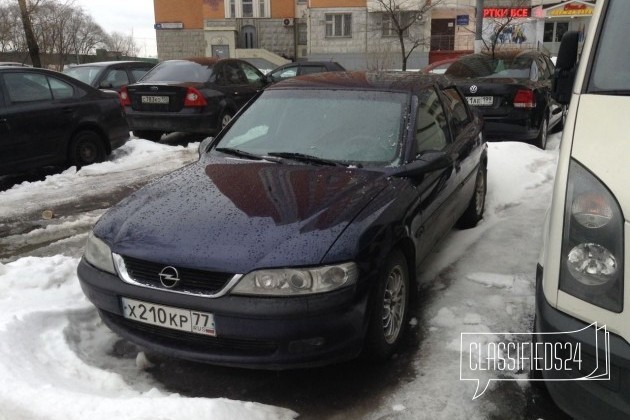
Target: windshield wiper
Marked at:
301, 157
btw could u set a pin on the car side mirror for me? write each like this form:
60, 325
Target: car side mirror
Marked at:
203, 146
429, 161
564, 75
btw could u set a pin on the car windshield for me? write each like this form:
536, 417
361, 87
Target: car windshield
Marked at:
179, 71
611, 68
362, 128
85, 74
482, 65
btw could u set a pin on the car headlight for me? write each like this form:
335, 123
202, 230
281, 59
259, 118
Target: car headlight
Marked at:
98, 254
297, 281
592, 243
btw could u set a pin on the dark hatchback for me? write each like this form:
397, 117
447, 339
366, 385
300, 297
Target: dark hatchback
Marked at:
295, 239
512, 91
48, 118
110, 74
196, 95
302, 68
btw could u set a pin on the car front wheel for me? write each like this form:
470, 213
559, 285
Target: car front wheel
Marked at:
474, 212
390, 306
226, 117
86, 148
541, 140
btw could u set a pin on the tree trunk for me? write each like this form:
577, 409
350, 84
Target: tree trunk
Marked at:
33, 48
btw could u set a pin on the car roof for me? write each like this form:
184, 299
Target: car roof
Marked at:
364, 80
111, 63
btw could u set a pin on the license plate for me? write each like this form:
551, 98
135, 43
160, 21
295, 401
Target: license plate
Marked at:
169, 317
155, 99
479, 100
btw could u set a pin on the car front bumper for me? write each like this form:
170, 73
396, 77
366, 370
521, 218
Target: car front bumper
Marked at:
256, 332
584, 399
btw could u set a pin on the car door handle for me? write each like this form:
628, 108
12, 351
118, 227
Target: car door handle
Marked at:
3, 120
67, 110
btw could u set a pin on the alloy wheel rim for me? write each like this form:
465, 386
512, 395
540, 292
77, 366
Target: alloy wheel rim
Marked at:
226, 119
394, 301
87, 152
544, 134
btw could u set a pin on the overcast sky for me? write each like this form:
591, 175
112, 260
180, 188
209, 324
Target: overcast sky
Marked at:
125, 16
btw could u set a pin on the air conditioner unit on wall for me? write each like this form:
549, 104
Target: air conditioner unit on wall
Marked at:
288, 22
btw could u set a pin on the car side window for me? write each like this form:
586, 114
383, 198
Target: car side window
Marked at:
431, 124
455, 104
253, 76
27, 87
117, 78
285, 73
233, 74
60, 89
312, 69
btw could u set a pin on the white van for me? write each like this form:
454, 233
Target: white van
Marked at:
585, 256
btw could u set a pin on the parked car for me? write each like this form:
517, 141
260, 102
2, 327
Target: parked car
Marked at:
438, 67
583, 264
512, 91
301, 68
110, 74
48, 118
197, 95
13, 63
295, 239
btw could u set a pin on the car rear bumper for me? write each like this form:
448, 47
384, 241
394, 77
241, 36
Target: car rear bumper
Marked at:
266, 333
205, 123
584, 399
509, 129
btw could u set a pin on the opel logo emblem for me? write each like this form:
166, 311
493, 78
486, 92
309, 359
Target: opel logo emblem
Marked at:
169, 277
473, 89
154, 88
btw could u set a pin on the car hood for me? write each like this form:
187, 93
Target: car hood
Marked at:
231, 215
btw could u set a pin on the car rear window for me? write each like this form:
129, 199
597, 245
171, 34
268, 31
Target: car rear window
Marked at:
178, 71
485, 66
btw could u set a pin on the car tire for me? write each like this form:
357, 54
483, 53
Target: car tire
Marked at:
226, 117
560, 124
148, 135
541, 139
474, 212
86, 148
389, 309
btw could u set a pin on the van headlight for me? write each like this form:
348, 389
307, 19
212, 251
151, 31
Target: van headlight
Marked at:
297, 281
98, 254
592, 242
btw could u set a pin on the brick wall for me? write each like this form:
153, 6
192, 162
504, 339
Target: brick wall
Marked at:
173, 44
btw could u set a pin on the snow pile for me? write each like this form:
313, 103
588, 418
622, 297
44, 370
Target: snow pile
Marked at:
56, 357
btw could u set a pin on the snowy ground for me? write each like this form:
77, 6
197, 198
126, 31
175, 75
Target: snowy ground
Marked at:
57, 361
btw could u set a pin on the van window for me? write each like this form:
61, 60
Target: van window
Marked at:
611, 67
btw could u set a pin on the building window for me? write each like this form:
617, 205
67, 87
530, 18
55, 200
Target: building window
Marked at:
339, 25
246, 9
389, 28
302, 34
554, 31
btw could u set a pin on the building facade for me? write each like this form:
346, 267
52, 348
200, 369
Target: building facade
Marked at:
359, 34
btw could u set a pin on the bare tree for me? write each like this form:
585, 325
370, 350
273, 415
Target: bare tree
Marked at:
122, 44
403, 19
33, 47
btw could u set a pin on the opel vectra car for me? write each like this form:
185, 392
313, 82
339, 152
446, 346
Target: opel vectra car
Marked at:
295, 239
196, 95
512, 91
585, 258
48, 119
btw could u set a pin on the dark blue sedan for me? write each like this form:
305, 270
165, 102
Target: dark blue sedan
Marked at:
296, 238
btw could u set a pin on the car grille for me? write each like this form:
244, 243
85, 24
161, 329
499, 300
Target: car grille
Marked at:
190, 341
191, 280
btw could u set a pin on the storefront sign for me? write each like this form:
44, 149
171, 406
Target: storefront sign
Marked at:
169, 25
571, 9
506, 12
